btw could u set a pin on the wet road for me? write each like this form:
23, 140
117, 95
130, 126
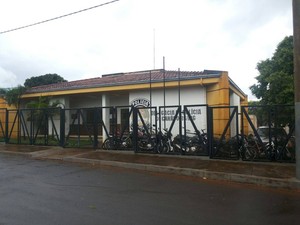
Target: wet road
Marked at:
48, 192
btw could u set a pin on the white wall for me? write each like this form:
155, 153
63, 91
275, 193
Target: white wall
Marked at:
188, 96
234, 99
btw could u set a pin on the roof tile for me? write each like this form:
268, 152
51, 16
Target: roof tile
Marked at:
124, 79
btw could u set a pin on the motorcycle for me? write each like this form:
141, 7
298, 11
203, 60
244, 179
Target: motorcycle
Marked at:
236, 147
192, 143
164, 141
146, 140
116, 142
262, 150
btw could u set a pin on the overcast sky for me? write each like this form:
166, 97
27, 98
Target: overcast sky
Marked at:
193, 35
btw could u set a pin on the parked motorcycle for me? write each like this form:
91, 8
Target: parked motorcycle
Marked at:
164, 141
262, 150
116, 142
236, 147
119, 140
146, 140
192, 143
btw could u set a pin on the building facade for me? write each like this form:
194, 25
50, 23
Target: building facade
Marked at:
151, 88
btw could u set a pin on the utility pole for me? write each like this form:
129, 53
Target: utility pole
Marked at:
296, 25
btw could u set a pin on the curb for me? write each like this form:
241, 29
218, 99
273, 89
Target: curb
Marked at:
204, 174
283, 183
15, 153
43, 153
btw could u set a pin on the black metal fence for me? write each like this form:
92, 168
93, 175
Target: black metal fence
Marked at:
264, 133
2, 124
274, 138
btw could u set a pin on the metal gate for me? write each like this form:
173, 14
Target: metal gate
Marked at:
192, 137
118, 134
169, 120
255, 133
224, 136
144, 129
32, 126
3, 112
96, 127
270, 134
78, 128
172, 129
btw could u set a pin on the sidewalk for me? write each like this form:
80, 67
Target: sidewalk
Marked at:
277, 175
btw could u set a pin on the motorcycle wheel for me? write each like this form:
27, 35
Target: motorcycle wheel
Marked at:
247, 153
200, 149
126, 142
177, 148
108, 144
147, 145
286, 154
163, 148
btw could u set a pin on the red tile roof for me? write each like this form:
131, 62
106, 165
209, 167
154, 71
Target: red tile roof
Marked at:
119, 79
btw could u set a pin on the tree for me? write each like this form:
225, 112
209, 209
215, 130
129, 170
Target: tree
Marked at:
40, 108
43, 80
275, 82
3, 91
275, 86
42, 102
13, 95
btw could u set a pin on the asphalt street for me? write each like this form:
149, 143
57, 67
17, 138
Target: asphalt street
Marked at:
49, 192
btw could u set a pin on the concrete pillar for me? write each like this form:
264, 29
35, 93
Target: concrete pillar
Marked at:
64, 102
105, 115
296, 24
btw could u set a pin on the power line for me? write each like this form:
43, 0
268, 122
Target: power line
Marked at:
59, 17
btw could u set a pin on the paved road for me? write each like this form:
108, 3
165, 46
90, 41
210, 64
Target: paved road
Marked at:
48, 192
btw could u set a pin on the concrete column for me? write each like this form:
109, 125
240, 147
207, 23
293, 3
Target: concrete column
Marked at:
64, 102
105, 115
296, 24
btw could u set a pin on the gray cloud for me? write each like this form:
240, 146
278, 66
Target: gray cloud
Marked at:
228, 35
246, 16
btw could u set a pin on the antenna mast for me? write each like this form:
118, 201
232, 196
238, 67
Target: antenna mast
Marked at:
154, 48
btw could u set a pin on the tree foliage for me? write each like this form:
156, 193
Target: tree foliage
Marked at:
43, 80
3, 91
42, 103
39, 106
275, 87
275, 82
13, 95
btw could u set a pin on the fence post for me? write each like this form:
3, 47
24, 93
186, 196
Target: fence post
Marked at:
31, 127
6, 126
210, 132
95, 128
135, 129
296, 35
62, 127
19, 126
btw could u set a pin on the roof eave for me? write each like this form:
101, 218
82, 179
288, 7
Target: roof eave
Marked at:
236, 88
126, 83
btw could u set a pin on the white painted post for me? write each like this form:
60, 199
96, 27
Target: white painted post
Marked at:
105, 115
